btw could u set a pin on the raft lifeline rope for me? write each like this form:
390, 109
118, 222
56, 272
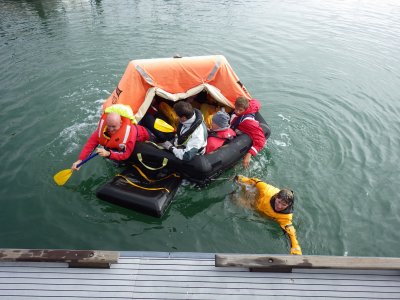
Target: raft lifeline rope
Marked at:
142, 187
148, 180
153, 180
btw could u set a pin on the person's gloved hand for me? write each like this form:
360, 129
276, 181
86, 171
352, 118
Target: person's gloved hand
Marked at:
295, 251
167, 145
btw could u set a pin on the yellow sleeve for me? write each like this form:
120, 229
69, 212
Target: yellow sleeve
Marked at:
294, 244
246, 180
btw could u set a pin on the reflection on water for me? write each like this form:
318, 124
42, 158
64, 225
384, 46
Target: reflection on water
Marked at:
327, 77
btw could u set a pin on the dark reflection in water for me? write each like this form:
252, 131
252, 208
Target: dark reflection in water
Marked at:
97, 6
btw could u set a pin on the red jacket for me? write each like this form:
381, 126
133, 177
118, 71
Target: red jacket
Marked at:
214, 142
251, 127
138, 133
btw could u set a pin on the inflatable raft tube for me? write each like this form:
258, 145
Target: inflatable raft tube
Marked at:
201, 169
134, 190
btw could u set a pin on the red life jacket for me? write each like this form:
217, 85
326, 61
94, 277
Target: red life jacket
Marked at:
217, 139
118, 138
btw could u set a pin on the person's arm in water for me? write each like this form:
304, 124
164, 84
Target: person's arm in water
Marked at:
285, 222
254, 131
262, 187
294, 244
90, 145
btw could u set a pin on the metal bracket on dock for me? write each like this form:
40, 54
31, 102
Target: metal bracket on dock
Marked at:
74, 258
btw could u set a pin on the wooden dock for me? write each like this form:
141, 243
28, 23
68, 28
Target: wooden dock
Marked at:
45, 274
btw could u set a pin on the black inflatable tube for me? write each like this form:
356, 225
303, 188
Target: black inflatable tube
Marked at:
202, 168
152, 198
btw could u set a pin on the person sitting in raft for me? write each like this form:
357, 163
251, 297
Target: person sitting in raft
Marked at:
243, 121
220, 131
274, 203
191, 134
149, 120
116, 133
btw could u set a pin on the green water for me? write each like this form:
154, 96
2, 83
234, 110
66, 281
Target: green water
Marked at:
327, 75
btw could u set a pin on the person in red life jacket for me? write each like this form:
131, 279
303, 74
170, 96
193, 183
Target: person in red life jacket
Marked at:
117, 135
243, 121
220, 131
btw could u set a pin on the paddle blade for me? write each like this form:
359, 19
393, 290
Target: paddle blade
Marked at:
62, 177
163, 126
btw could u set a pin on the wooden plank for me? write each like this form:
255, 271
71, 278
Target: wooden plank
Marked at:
245, 293
166, 262
211, 282
5, 282
59, 297
192, 271
277, 285
349, 271
40, 294
72, 288
170, 277
233, 272
74, 258
167, 277
285, 262
215, 273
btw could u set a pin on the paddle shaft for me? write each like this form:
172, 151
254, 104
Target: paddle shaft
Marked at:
87, 159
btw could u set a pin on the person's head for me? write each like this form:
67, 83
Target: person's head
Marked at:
220, 121
114, 122
241, 104
283, 199
184, 110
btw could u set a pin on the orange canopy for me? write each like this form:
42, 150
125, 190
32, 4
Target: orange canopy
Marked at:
175, 79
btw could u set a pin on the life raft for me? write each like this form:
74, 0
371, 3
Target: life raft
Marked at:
141, 188
147, 185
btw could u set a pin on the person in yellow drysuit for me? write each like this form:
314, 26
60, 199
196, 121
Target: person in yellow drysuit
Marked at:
274, 203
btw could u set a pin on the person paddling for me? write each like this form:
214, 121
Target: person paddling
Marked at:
116, 133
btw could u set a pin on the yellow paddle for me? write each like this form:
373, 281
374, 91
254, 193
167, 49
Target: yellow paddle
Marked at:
62, 177
163, 126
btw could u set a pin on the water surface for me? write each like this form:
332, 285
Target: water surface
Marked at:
327, 75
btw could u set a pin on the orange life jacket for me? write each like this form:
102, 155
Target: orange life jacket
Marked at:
118, 138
